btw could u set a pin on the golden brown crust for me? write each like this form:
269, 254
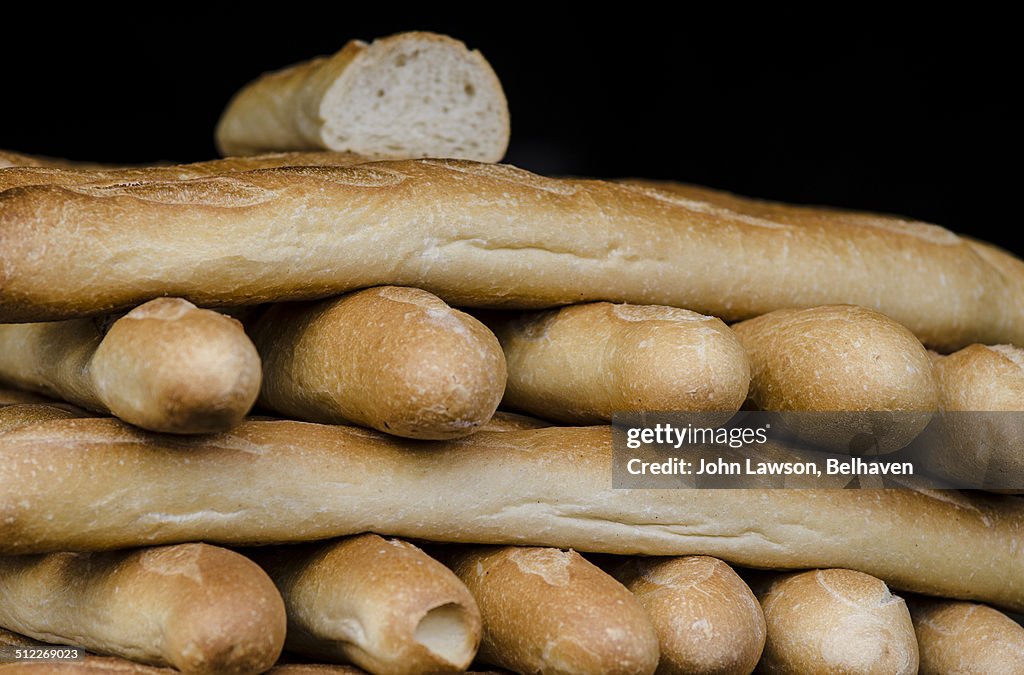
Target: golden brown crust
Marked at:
966, 638
836, 621
707, 619
382, 604
74, 174
582, 363
398, 360
842, 358
551, 611
17, 415
9, 159
280, 481
982, 378
836, 357
982, 390
91, 664
476, 235
199, 608
506, 421
164, 366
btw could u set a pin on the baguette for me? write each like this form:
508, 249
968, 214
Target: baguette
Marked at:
91, 664
846, 359
982, 398
22, 176
506, 421
1009, 265
398, 360
18, 159
579, 364
108, 485
835, 621
408, 95
10, 396
196, 607
476, 235
383, 605
87, 664
551, 611
707, 619
964, 638
18, 415
165, 366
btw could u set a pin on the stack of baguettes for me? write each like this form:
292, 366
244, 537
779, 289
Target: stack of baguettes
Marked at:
145, 517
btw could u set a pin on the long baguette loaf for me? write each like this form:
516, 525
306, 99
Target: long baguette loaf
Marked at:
398, 360
56, 174
382, 604
835, 621
551, 611
707, 619
579, 364
199, 608
476, 235
164, 366
408, 95
98, 484
966, 638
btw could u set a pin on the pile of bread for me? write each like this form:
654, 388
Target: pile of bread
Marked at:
148, 515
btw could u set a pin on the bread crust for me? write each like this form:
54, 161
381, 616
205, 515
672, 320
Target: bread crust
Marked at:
165, 366
75, 174
398, 360
551, 611
989, 382
476, 235
199, 608
965, 638
836, 621
280, 481
582, 363
841, 358
9, 159
707, 619
382, 604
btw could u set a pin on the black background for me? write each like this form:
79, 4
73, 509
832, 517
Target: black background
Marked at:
856, 111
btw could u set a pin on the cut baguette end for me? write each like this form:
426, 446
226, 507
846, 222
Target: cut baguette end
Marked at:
447, 632
417, 95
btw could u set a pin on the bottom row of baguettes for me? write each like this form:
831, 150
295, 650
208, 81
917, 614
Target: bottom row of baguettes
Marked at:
387, 606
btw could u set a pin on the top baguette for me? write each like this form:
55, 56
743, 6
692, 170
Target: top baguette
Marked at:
482, 235
9, 159
68, 173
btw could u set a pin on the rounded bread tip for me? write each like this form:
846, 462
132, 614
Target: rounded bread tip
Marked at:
837, 619
549, 610
707, 619
171, 367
